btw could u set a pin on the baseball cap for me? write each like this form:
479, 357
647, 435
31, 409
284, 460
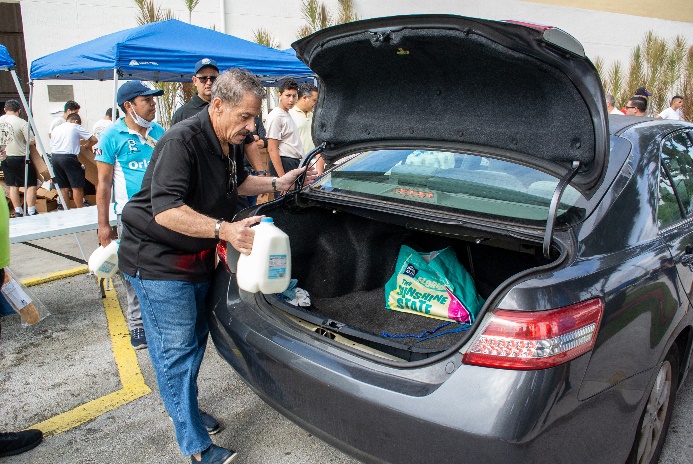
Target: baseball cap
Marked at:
206, 62
133, 89
643, 91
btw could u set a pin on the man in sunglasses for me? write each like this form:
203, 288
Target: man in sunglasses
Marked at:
206, 72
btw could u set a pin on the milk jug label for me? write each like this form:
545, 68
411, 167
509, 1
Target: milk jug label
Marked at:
277, 267
107, 267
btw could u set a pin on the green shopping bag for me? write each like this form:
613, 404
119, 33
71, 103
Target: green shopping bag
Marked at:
432, 284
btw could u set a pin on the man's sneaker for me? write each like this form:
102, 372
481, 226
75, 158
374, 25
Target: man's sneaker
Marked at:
138, 339
85, 202
18, 214
215, 455
33, 214
12, 443
60, 207
210, 423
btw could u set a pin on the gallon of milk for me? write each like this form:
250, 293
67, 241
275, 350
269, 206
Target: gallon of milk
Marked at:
267, 268
103, 262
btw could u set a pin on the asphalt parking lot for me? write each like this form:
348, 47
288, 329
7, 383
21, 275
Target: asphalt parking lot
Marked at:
75, 376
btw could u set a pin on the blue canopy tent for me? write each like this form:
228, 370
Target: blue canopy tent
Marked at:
164, 51
6, 61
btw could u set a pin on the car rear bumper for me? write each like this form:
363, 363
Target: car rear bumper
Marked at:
443, 412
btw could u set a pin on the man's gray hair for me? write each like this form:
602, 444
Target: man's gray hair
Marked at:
610, 100
232, 85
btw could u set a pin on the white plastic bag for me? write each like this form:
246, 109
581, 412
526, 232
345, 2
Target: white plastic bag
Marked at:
22, 300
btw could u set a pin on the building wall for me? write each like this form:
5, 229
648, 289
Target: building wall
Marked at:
607, 28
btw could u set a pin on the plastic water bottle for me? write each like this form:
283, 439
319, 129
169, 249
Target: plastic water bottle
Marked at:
267, 268
103, 262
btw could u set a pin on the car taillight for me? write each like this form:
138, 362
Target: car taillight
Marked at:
221, 252
536, 339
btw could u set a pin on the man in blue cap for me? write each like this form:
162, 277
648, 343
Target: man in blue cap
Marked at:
206, 72
122, 156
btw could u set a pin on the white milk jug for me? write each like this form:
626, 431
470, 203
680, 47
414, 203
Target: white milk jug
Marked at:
103, 262
268, 266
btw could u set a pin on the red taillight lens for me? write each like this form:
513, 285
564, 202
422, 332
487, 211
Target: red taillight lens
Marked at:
536, 339
221, 252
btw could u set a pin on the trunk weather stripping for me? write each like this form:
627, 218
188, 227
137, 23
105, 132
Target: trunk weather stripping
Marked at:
309, 158
553, 208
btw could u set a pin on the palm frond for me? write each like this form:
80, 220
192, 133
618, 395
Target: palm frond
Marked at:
263, 37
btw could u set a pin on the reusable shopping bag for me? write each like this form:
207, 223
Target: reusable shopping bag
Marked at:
432, 284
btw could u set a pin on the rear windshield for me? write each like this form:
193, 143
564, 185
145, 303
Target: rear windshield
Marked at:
449, 180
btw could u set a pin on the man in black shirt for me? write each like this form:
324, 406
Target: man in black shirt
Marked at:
206, 72
170, 231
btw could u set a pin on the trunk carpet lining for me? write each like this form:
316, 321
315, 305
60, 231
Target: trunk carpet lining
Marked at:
366, 311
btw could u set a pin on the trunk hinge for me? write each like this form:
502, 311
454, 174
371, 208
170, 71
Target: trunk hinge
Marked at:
309, 157
553, 208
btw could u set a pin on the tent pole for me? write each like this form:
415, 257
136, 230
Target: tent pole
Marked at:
27, 158
39, 144
114, 108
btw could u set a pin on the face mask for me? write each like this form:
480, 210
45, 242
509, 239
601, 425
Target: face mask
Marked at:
140, 121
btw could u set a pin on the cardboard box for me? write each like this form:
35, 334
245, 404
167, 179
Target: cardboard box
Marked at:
44, 206
39, 164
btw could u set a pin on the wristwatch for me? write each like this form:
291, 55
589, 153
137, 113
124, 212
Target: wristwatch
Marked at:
259, 173
274, 184
217, 228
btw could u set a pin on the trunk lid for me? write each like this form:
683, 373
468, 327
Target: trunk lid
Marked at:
519, 92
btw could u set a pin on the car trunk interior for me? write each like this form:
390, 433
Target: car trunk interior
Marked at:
343, 261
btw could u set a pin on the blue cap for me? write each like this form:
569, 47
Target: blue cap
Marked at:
205, 62
133, 89
266, 219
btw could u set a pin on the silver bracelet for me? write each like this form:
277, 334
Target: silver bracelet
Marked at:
217, 228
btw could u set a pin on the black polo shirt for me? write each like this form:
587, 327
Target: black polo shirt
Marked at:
189, 109
187, 168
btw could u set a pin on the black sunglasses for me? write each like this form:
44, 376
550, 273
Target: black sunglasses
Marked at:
204, 79
231, 173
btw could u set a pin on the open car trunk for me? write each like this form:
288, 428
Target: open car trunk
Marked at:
344, 261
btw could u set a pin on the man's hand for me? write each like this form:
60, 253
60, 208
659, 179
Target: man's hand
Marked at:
240, 233
285, 182
105, 234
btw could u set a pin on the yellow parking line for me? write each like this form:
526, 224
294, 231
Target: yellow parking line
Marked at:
128, 369
55, 276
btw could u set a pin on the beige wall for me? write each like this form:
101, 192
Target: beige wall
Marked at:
674, 10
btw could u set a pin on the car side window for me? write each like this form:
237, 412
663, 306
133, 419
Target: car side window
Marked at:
676, 179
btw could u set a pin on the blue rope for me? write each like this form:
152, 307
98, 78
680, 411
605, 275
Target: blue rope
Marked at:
423, 335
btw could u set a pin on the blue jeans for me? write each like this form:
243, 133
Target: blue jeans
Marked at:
173, 313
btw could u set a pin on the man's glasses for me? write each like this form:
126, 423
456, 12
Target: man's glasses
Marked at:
631, 107
204, 79
231, 173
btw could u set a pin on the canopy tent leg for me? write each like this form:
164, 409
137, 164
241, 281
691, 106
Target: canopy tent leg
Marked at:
114, 109
27, 159
32, 123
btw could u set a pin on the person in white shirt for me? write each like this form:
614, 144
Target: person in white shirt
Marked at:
101, 125
65, 146
283, 141
611, 105
302, 114
14, 134
674, 110
71, 107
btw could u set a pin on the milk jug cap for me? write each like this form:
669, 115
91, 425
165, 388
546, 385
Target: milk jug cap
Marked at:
266, 219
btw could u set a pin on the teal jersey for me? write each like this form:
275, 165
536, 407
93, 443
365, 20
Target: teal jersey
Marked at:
129, 154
